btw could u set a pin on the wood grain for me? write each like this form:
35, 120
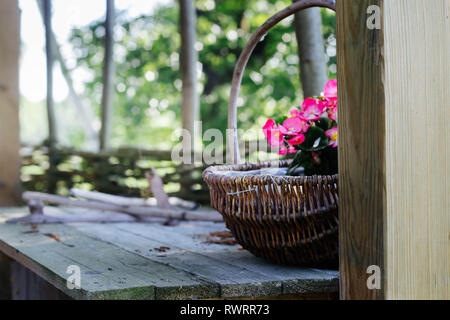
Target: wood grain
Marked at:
121, 261
26, 285
5, 277
361, 148
417, 54
394, 149
9, 102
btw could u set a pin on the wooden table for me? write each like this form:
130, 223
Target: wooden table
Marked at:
124, 260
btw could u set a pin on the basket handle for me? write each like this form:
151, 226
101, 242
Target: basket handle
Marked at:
233, 144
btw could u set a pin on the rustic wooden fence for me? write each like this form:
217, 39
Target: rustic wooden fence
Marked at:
119, 172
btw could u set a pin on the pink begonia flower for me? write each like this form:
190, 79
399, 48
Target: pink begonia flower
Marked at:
292, 150
333, 135
296, 113
312, 109
298, 139
332, 114
293, 126
330, 90
283, 150
270, 125
330, 94
272, 133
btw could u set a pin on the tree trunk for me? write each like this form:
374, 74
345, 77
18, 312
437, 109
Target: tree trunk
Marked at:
108, 78
313, 66
9, 103
51, 116
86, 113
188, 63
52, 135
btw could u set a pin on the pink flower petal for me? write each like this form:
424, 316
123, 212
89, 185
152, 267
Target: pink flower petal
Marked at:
270, 125
298, 139
312, 109
272, 133
291, 126
334, 144
332, 114
292, 150
333, 135
330, 90
283, 150
295, 113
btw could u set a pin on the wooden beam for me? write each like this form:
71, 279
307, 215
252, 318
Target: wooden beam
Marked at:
394, 156
9, 103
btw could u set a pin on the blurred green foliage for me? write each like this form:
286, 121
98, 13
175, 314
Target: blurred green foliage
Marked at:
147, 104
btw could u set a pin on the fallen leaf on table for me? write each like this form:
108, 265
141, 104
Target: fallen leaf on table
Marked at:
54, 237
30, 231
230, 241
221, 234
162, 249
220, 237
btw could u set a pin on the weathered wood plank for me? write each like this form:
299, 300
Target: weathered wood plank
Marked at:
294, 280
235, 270
196, 269
362, 184
5, 277
9, 103
107, 271
234, 281
26, 285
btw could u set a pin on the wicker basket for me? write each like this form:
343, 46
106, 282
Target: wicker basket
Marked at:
287, 220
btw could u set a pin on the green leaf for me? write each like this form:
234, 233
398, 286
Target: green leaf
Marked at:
300, 160
316, 140
280, 120
323, 124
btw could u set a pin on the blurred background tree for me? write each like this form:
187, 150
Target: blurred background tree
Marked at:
147, 91
147, 100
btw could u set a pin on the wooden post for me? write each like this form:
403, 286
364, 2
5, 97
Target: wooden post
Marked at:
108, 78
313, 67
394, 160
9, 103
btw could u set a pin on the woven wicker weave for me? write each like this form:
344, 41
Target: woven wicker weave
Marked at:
287, 220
